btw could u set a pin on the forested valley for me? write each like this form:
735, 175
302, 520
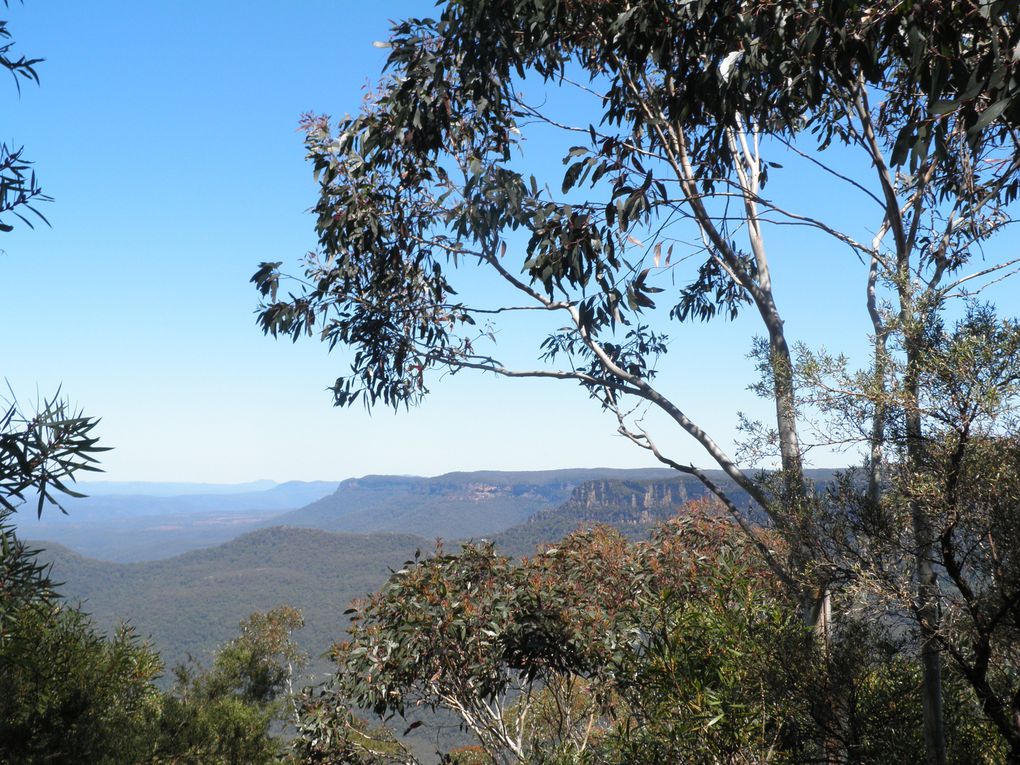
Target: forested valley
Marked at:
571, 193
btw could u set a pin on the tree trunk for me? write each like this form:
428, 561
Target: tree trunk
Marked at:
927, 584
931, 658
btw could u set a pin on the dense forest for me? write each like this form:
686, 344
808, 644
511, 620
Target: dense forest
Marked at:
757, 612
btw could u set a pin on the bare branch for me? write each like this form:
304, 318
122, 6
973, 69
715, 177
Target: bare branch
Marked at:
644, 441
818, 163
983, 272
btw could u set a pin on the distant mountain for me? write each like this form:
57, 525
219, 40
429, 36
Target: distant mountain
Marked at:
132, 527
191, 603
452, 506
172, 489
117, 525
138, 501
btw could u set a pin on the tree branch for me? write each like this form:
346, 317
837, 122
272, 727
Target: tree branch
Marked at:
644, 441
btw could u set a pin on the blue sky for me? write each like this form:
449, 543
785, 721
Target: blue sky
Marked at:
166, 132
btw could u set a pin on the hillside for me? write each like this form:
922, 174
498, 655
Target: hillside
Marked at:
192, 603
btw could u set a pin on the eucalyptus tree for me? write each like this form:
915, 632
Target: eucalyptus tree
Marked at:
43, 450
19, 189
40, 451
968, 480
690, 105
595, 650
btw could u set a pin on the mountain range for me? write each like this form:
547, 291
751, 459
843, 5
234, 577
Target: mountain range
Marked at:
127, 523
344, 545
452, 506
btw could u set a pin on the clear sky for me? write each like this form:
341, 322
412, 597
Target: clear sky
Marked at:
166, 132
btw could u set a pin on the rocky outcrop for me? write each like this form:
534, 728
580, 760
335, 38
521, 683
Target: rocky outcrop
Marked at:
637, 496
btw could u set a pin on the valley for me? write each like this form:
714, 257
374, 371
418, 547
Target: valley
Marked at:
334, 549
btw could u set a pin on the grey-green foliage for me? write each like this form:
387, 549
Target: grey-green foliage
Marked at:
677, 649
68, 693
967, 478
958, 470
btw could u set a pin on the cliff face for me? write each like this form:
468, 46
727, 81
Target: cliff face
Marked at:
633, 507
625, 503
464, 487
633, 496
